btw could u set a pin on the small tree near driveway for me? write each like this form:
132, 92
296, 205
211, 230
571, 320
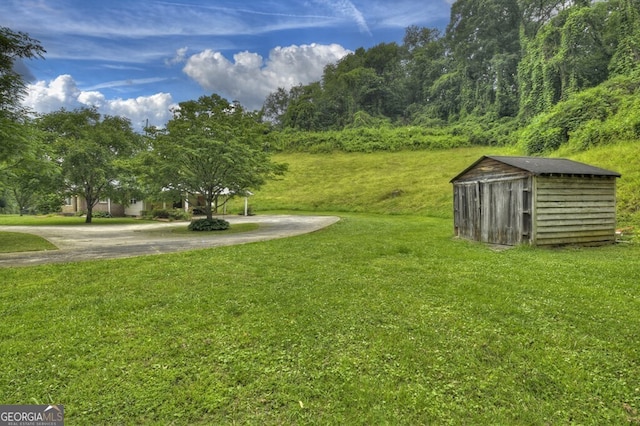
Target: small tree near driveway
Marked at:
211, 146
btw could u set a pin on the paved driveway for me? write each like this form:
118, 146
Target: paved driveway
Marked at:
78, 243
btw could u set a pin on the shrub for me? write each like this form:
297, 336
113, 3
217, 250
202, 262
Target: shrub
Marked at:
208, 225
173, 214
100, 213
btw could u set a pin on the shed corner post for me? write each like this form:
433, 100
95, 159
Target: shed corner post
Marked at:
455, 210
533, 238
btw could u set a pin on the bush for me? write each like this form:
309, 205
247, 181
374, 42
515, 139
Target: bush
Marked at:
100, 213
208, 225
173, 214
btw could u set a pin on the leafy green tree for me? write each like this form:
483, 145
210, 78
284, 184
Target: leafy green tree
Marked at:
275, 106
304, 108
94, 153
482, 38
426, 62
14, 140
209, 147
14, 46
35, 180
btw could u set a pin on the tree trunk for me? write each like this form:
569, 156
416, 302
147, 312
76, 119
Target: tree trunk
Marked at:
208, 209
89, 213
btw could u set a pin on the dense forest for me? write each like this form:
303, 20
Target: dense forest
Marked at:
537, 72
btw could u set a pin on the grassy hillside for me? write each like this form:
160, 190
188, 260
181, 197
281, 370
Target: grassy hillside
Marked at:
415, 182
406, 182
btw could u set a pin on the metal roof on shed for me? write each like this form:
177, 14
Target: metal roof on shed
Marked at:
545, 166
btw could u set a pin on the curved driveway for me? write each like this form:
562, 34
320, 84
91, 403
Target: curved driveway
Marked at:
78, 243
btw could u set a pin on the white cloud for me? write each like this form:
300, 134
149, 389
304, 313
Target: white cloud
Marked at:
63, 92
181, 56
155, 108
249, 78
348, 9
59, 93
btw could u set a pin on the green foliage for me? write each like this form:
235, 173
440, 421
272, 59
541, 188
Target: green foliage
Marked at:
370, 139
101, 214
569, 54
169, 214
14, 45
209, 225
498, 59
94, 152
211, 148
603, 114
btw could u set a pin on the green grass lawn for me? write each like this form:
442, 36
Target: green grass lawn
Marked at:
18, 241
378, 319
54, 220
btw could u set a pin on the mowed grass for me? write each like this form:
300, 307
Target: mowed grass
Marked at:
54, 220
378, 319
18, 241
414, 182
406, 182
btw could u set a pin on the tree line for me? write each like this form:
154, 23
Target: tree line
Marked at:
496, 60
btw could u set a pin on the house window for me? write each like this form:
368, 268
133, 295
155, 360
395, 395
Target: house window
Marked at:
68, 202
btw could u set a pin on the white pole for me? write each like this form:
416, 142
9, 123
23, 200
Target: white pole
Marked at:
246, 206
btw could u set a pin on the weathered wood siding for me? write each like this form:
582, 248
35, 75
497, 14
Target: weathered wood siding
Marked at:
501, 212
494, 211
489, 169
466, 210
574, 210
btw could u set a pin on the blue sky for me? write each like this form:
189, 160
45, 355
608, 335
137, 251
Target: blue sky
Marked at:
138, 58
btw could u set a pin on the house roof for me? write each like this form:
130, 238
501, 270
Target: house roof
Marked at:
545, 166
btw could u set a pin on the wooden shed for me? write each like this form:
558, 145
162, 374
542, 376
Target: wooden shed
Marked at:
538, 201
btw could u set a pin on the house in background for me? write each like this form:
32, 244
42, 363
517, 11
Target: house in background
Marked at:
76, 204
537, 201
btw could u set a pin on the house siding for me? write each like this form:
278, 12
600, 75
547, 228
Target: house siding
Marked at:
574, 210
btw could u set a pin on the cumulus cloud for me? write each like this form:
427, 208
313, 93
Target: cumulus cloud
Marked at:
249, 78
63, 92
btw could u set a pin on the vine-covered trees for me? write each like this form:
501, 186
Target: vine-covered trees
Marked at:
497, 59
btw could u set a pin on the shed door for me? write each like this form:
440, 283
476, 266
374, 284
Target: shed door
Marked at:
466, 205
501, 211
